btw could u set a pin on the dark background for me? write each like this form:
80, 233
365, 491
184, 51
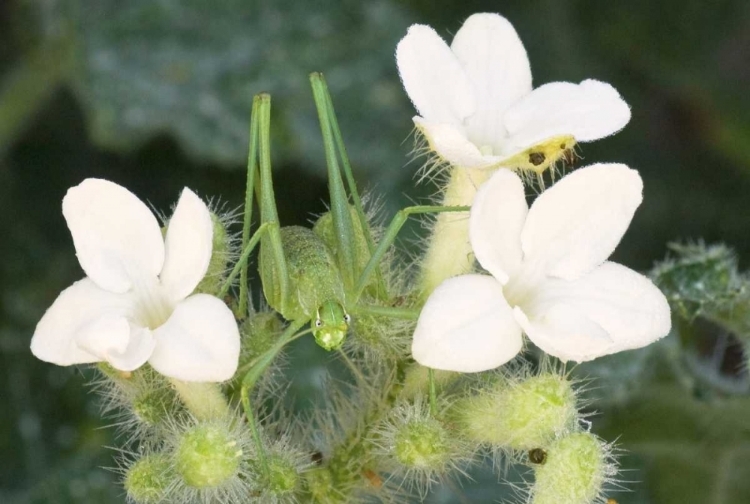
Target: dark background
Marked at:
156, 96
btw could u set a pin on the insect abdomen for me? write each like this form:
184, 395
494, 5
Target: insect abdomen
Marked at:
312, 271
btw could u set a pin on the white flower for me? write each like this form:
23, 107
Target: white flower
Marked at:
476, 104
550, 278
135, 305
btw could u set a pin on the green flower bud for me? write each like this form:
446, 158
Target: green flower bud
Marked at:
208, 455
220, 255
423, 444
415, 446
282, 477
153, 406
147, 480
320, 485
521, 416
258, 333
574, 471
700, 279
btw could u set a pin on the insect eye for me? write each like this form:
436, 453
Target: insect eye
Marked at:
347, 318
318, 323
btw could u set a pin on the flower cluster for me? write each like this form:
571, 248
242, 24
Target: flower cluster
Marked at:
148, 302
550, 277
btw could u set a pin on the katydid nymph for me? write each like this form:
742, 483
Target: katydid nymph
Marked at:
315, 288
318, 275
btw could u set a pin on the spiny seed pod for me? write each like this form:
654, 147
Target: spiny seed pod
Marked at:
422, 444
415, 446
282, 477
576, 468
147, 480
154, 406
521, 416
208, 455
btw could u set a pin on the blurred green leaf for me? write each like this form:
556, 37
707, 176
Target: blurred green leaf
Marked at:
191, 69
692, 451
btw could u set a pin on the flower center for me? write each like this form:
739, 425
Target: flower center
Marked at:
153, 305
486, 150
523, 287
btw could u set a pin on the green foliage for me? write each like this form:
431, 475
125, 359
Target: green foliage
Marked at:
204, 62
687, 450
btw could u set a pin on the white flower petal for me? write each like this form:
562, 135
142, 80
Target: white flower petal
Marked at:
433, 77
113, 339
467, 326
497, 218
200, 341
189, 243
576, 224
588, 111
563, 332
496, 63
115, 234
625, 304
74, 309
453, 146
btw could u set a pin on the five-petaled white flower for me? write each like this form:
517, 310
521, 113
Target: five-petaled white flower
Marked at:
476, 105
135, 305
550, 278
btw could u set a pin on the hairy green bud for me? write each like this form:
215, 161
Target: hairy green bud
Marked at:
699, 279
220, 256
154, 406
147, 480
422, 444
522, 416
282, 476
208, 455
574, 471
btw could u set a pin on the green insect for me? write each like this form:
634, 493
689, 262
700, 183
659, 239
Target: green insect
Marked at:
315, 287
320, 275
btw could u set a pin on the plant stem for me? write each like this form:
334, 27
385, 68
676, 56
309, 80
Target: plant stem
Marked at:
449, 252
251, 378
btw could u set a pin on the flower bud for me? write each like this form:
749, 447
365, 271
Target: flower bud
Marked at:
416, 446
282, 477
520, 416
154, 406
147, 480
221, 252
573, 472
208, 455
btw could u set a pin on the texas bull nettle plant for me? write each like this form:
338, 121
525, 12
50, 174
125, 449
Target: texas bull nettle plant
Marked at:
441, 374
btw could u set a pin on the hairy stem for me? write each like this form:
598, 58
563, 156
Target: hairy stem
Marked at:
449, 252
